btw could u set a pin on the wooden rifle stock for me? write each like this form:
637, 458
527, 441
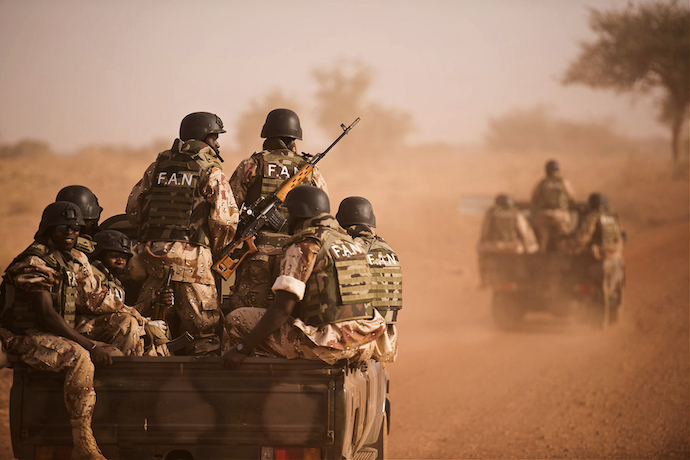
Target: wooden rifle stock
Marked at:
226, 266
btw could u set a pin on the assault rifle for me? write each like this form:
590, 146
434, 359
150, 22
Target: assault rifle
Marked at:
264, 211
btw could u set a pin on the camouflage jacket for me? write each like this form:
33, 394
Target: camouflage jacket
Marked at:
507, 230
599, 234
553, 192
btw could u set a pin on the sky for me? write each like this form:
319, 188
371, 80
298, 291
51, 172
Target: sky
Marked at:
75, 73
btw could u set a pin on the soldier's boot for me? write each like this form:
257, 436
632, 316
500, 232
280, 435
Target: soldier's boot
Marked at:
85, 447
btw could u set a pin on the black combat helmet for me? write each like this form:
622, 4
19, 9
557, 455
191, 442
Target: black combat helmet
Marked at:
597, 200
82, 197
504, 201
198, 125
355, 210
552, 167
305, 201
111, 240
59, 213
282, 123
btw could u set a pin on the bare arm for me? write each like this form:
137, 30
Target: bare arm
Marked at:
56, 324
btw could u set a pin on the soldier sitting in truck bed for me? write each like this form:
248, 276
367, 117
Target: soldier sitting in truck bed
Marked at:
44, 291
551, 201
505, 230
322, 308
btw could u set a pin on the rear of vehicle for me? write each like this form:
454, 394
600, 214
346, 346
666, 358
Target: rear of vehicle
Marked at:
187, 408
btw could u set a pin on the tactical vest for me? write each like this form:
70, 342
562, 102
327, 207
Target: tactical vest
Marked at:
387, 278
108, 280
18, 312
341, 289
172, 211
552, 194
502, 225
276, 166
606, 232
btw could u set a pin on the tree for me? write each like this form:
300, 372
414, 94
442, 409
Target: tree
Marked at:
341, 97
639, 49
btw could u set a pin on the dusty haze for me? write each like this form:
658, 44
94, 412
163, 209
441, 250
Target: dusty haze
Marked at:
76, 72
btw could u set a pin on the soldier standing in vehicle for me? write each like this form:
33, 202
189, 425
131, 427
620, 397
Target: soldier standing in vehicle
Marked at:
90, 211
356, 215
551, 201
599, 238
322, 308
260, 176
44, 290
185, 213
109, 265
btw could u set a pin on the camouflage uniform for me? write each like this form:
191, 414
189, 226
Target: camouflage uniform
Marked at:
551, 202
76, 292
507, 231
196, 189
261, 175
87, 324
326, 325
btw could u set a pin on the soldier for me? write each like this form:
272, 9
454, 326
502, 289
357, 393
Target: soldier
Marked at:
506, 229
322, 308
261, 175
599, 233
90, 211
44, 290
356, 215
109, 265
551, 201
185, 212
599, 237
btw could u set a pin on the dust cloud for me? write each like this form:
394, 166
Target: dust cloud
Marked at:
461, 388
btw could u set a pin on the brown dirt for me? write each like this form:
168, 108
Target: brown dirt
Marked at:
460, 388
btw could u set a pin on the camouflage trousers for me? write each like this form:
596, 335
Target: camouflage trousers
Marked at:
119, 329
353, 340
49, 352
196, 311
550, 226
254, 278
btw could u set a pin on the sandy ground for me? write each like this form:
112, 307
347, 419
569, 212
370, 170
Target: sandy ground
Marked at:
461, 388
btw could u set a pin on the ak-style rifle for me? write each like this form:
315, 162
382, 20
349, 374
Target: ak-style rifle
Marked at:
264, 212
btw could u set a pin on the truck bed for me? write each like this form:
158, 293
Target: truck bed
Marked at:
192, 408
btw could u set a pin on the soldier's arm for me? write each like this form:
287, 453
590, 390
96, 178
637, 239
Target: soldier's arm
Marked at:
245, 174
133, 208
569, 190
319, 180
224, 214
583, 234
529, 239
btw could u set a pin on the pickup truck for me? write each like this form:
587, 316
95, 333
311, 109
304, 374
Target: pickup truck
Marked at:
554, 282
190, 408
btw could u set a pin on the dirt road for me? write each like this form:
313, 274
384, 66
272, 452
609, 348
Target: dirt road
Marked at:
461, 389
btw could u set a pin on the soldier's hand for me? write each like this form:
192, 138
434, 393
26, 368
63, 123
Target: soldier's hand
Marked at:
232, 359
168, 297
100, 355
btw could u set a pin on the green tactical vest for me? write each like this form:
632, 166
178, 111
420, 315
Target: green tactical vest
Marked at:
552, 194
172, 211
502, 225
18, 313
606, 232
107, 279
387, 278
276, 166
341, 290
